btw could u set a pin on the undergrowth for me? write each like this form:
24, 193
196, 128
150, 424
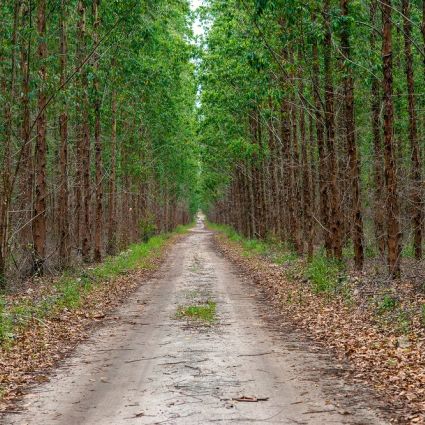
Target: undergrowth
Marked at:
271, 248
204, 312
325, 275
69, 291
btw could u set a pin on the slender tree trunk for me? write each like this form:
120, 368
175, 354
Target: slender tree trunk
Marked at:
78, 194
6, 187
392, 201
416, 195
83, 148
112, 219
321, 147
26, 165
39, 213
287, 183
297, 212
378, 165
350, 134
64, 246
97, 144
307, 204
334, 193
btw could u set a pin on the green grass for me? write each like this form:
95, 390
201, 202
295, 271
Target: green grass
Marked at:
69, 291
387, 303
203, 312
408, 250
324, 274
277, 251
229, 231
255, 247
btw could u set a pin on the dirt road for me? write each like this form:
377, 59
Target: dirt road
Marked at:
146, 365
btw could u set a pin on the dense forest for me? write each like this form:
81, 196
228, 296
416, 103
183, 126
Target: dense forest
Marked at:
97, 128
296, 121
311, 124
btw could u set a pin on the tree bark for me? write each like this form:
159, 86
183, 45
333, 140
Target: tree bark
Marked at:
26, 163
112, 219
378, 215
415, 171
97, 144
392, 201
6, 187
321, 147
350, 134
334, 193
63, 216
39, 212
83, 194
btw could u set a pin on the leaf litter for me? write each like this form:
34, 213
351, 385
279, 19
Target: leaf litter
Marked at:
380, 353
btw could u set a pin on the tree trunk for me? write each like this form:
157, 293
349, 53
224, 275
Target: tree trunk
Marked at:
112, 219
25, 163
334, 193
415, 173
97, 144
39, 213
378, 215
322, 163
350, 134
392, 202
307, 204
63, 216
6, 187
83, 149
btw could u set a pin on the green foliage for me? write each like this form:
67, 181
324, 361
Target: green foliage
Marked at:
203, 312
387, 303
279, 252
325, 274
6, 323
229, 231
69, 291
147, 227
255, 246
408, 251
286, 257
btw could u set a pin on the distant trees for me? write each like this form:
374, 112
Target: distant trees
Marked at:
350, 179
96, 128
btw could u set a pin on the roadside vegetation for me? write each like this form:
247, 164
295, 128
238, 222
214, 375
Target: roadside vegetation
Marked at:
41, 325
47, 298
379, 328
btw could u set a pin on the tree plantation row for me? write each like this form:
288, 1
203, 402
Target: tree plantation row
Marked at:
97, 128
314, 111
300, 122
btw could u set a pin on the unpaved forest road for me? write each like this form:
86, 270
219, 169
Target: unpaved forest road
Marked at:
148, 367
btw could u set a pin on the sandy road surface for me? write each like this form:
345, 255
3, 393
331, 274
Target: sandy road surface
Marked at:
145, 366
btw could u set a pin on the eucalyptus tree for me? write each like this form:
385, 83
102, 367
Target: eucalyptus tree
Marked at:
268, 68
98, 128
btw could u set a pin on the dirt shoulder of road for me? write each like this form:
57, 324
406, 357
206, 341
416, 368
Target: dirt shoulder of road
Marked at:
391, 364
43, 342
